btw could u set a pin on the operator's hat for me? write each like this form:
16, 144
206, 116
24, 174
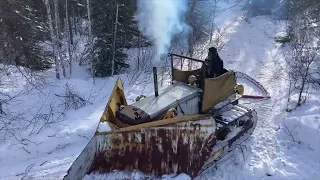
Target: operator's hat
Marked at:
213, 50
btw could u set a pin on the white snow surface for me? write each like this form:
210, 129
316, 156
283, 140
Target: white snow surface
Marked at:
103, 127
283, 146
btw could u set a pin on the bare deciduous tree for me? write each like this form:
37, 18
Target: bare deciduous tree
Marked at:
302, 58
69, 37
53, 39
90, 40
57, 23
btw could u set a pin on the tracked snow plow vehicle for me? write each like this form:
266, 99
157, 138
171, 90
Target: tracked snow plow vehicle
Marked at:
180, 129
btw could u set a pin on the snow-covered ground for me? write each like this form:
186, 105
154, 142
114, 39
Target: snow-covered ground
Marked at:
283, 146
48, 149
271, 153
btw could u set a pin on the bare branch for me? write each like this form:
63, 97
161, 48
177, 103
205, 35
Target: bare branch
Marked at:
288, 132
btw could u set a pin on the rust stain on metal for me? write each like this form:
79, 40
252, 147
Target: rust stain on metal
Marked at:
179, 148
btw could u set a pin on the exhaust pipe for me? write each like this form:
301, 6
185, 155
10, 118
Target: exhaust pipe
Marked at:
155, 81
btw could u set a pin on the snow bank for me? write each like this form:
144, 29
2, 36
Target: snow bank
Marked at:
305, 130
299, 139
44, 144
303, 124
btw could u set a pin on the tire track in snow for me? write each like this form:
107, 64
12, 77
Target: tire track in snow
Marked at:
249, 51
45, 170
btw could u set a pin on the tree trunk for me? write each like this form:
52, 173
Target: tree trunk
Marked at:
213, 20
53, 39
114, 41
74, 19
191, 38
90, 40
1, 111
304, 80
68, 9
300, 93
139, 50
69, 41
56, 13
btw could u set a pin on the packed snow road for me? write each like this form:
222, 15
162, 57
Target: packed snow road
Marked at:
267, 155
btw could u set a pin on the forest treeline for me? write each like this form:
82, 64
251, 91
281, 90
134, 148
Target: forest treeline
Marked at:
46, 33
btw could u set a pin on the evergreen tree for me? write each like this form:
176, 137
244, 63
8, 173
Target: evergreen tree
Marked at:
22, 30
103, 27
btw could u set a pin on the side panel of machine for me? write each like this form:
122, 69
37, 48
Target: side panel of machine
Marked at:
218, 89
189, 107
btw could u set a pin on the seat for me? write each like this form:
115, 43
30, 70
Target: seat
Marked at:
182, 76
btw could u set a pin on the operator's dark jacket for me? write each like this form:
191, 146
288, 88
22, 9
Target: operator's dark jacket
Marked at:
212, 67
214, 64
